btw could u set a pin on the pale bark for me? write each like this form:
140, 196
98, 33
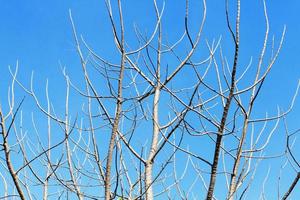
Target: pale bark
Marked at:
155, 121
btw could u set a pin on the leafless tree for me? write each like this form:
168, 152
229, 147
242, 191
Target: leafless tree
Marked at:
161, 120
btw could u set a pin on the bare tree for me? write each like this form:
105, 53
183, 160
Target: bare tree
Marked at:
161, 120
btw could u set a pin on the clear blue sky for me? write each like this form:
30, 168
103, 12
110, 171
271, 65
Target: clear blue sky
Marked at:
38, 34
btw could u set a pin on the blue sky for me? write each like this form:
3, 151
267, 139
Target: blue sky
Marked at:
38, 34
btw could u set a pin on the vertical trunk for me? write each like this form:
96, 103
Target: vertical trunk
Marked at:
233, 184
9, 165
114, 131
155, 119
115, 127
221, 128
149, 162
148, 181
214, 167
